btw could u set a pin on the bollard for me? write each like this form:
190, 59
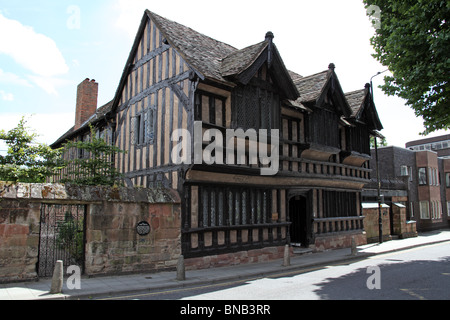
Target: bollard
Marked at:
181, 271
57, 280
287, 257
354, 251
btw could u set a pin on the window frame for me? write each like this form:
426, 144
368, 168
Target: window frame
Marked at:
422, 174
424, 214
142, 127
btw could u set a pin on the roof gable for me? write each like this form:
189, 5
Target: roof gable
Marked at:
363, 108
240, 60
321, 86
242, 65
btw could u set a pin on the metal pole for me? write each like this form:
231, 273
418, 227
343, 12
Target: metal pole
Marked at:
380, 218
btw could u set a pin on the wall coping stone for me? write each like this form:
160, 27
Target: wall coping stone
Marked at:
69, 192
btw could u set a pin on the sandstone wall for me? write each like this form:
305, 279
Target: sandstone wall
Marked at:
112, 243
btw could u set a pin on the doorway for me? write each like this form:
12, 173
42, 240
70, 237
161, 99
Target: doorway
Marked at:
300, 227
62, 237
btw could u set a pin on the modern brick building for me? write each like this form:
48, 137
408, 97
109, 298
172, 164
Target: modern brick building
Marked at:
441, 145
419, 180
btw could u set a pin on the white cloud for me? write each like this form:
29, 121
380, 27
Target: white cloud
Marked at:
34, 51
48, 127
11, 78
45, 84
6, 96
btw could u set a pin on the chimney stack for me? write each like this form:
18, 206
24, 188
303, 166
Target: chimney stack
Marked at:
87, 94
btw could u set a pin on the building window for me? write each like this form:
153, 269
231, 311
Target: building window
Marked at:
243, 206
436, 210
255, 108
210, 108
424, 210
143, 127
422, 176
439, 213
447, 179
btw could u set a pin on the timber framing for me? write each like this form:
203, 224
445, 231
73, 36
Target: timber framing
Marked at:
176, 77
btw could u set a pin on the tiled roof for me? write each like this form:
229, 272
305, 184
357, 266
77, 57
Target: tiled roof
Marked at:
240, 60
99, 114
203, 53
218, 61
356, 100
311, 87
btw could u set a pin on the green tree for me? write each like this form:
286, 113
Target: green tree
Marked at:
26, 160
380, 142
413, 40
70, 237
95, 166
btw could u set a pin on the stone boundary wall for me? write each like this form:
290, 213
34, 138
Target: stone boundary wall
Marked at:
339, 240
112, 245
242, 257
371, 224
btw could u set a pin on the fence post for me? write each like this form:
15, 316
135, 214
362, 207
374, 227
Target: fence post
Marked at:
287, 257
57, 280
354, 251
181, 270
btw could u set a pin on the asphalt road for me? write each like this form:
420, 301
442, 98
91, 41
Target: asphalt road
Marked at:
421, 273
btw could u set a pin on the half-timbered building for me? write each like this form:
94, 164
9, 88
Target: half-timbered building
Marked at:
315, 139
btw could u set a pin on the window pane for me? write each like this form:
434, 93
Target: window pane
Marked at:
244, 207
237, 207
230, 208
424, 210
258, 207
422, 176
220, 209
205, 207
264, 207
213, 208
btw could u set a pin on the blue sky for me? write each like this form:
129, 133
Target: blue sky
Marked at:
48, 47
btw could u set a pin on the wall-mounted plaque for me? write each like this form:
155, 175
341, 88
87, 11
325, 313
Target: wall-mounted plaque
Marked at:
143, 228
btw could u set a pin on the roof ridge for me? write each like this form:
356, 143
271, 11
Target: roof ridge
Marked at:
355, 91
151, 13
312, 75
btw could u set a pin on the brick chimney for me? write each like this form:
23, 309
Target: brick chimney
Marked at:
87, 94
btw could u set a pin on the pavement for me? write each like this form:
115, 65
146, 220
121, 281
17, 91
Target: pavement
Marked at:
96, 287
